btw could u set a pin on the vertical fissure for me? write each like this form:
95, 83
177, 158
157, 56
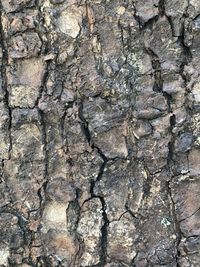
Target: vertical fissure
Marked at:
104, 228
42, 189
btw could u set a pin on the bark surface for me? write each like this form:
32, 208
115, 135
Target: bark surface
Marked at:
99, 133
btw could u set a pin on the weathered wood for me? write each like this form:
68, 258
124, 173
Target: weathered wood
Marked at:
99, 133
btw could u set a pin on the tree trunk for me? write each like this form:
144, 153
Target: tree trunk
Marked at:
99, 133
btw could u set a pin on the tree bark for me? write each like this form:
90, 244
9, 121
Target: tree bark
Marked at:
99, 133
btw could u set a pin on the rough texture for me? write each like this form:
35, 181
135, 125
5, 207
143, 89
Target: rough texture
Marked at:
100, 133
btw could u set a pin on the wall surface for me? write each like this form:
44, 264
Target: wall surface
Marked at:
100, 133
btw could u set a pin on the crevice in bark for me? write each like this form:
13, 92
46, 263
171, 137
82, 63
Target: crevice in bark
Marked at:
42, 189
103, 166
176, 222
85, 126
150, 23
104, 228
22, 222
161, 7
42, 87
190, 215
158, 79
147, 183
135, 15
187, 59
130, 212
170, 162
74, 205
104, 231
